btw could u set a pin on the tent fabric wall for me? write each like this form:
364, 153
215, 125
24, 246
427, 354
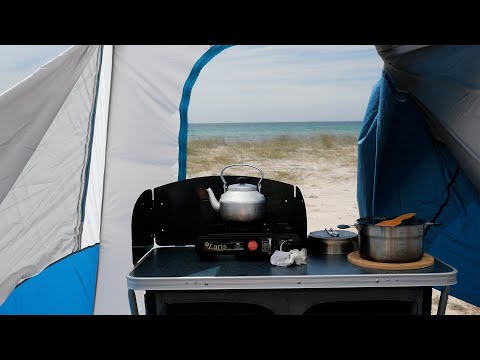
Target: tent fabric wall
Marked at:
446, 81
402, 169
64, 288
21, 134
44, 147
142, 151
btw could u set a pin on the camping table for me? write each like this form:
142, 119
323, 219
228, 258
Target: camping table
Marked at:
179, 275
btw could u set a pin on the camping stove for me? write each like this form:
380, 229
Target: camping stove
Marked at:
248, 239
180, 214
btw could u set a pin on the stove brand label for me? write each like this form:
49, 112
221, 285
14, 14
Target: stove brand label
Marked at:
218, 246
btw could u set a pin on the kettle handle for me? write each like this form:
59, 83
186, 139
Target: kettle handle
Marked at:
228, 166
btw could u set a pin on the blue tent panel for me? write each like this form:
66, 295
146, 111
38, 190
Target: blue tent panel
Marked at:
66, 287
402, 169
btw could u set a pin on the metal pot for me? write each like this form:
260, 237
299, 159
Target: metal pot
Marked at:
391, 244
332, 242
239, 202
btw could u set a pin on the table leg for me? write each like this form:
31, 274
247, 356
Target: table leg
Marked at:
133, 302
442, 303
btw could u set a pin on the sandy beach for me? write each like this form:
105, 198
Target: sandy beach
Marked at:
323, 166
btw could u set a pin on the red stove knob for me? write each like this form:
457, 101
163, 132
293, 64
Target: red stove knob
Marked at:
252, 245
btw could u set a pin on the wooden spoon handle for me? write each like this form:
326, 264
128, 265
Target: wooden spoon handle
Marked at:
397, 221
406, 216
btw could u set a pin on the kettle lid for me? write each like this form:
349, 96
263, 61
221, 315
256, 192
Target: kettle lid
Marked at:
242, 186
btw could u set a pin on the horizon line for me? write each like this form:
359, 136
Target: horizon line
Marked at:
274, 122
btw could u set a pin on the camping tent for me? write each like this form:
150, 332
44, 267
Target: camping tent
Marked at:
89, 131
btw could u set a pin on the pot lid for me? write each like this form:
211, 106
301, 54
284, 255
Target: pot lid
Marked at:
325, 235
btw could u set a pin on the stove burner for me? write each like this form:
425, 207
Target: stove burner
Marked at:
257, 227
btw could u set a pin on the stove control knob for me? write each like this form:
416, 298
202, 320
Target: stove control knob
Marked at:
252, 245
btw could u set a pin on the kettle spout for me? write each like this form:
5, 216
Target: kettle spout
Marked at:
213, 200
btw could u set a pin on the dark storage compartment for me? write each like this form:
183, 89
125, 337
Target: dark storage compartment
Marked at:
322, 302
216, 308
386, 307
347, 308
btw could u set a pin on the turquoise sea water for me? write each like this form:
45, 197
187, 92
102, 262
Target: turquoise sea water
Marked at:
259, 131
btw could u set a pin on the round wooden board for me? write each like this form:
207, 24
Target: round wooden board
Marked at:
426, 261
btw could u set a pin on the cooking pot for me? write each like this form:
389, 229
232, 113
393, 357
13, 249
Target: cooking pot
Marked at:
239, 202
391, 244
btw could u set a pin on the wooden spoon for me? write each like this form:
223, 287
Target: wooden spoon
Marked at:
397, 221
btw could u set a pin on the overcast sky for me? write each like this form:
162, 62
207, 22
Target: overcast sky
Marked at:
286, 83
255, 83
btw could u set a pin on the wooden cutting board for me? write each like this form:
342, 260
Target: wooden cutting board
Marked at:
426, 261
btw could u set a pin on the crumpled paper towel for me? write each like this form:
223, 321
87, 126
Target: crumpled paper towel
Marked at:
287, 258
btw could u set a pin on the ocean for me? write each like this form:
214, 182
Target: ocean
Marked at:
268, 130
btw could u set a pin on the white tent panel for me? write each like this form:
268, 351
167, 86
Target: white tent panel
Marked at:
93, 203
45, 134
142, 151
25, 114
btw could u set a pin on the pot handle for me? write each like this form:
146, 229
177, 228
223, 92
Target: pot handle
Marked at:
332, 232
432, 223
228, 166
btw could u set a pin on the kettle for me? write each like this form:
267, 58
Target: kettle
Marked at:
239, 202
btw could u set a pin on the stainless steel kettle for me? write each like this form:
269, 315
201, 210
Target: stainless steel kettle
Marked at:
239, 202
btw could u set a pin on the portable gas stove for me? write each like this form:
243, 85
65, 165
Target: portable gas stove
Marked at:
180, 214
249, 239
